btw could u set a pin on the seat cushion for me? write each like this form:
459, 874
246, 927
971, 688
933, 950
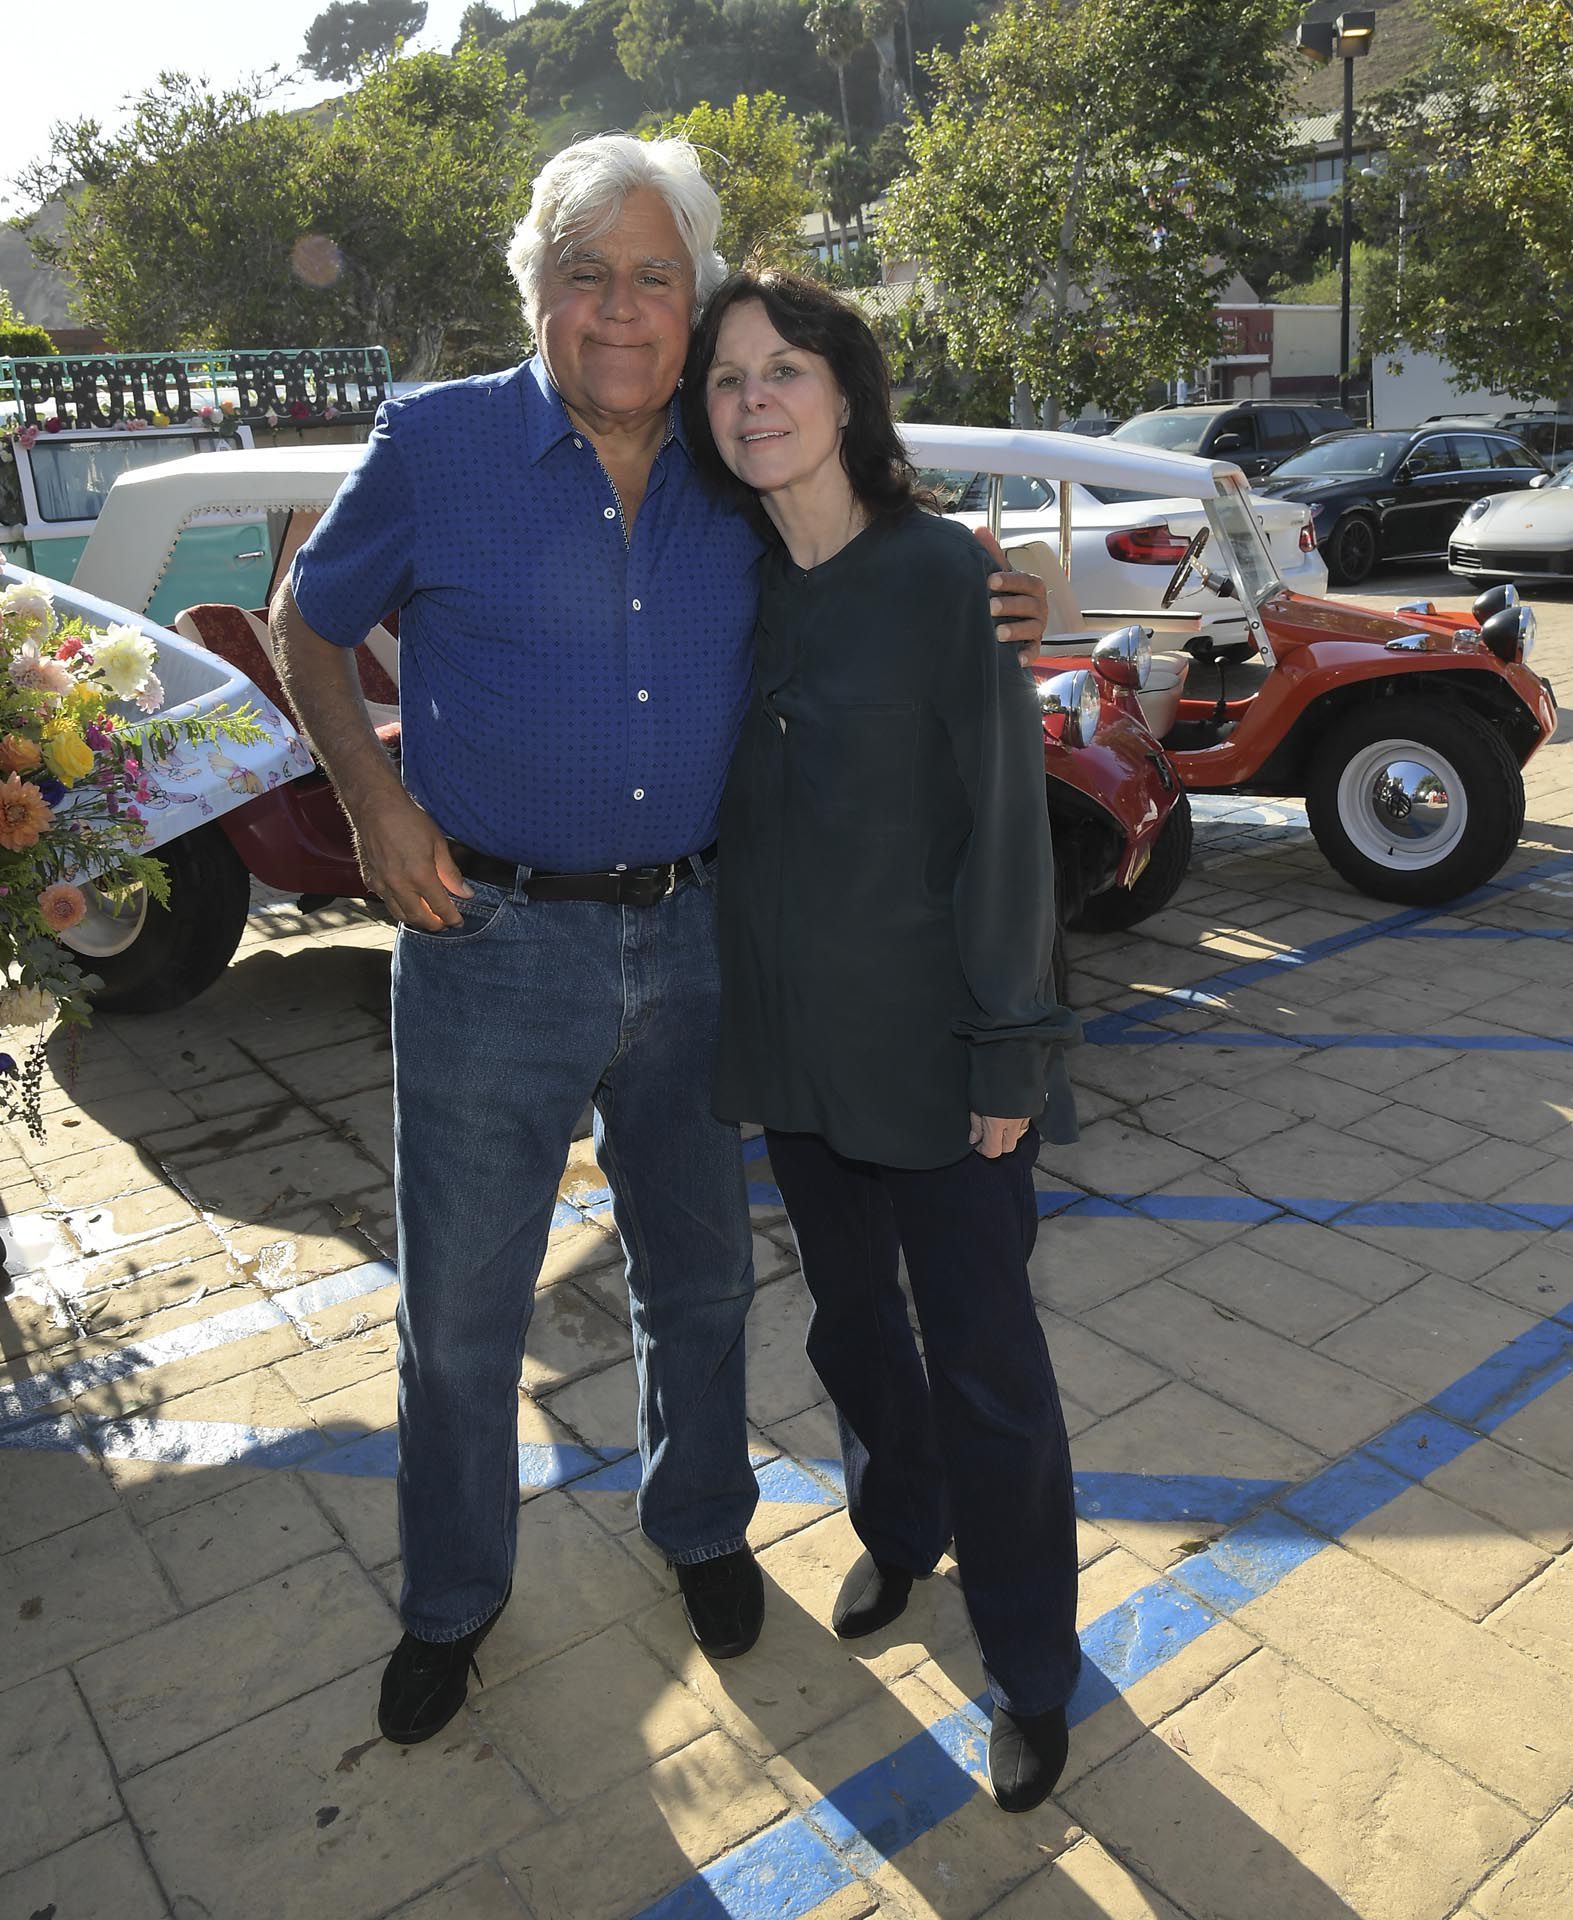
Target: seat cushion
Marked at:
1160, 698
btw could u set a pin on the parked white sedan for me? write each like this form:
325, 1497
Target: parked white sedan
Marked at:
1124, 545
1517, 536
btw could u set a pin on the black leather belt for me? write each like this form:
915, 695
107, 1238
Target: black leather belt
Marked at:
631, 887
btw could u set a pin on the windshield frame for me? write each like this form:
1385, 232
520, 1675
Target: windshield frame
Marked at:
1239, 537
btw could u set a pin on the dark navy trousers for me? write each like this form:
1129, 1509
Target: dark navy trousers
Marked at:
972, 1446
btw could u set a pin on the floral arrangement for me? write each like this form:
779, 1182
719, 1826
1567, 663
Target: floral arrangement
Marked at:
77, 768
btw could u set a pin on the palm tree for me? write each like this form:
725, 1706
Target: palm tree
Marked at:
837, 27
843, 176
879, 23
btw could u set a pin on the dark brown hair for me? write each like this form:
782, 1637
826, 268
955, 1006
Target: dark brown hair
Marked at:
809, 316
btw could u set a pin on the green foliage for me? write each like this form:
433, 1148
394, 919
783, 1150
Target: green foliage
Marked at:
351, 34
753, 156
480, 22
1324, 286
556, 47
932, 384
19, 336
1087, 174
1478, 188
859, 266
213, 220
655, 42
838, 31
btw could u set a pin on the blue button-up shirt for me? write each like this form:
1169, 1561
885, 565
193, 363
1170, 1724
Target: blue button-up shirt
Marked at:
569, 695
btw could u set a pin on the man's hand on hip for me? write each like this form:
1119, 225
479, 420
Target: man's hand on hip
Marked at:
408, 864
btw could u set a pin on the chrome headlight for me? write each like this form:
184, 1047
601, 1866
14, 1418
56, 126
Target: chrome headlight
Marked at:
1124, 657
1473, 512
1075, 695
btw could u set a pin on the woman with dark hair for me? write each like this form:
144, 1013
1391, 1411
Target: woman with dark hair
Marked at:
886, 902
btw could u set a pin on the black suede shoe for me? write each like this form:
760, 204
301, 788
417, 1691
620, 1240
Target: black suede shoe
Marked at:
723, 1602
425, 1682
1026, 1757
871, 1596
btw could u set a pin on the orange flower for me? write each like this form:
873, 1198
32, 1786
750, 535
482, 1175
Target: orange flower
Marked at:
24, 814
19, 754
62, 905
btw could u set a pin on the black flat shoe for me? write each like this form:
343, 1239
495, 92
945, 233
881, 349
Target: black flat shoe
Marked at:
1026, 1757
723, 1602
425, 1682
871, 1597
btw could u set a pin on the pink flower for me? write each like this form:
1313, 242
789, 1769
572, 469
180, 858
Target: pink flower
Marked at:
271, 417
135, 426
35, 672
131, 763
68, 648
299, 410
330, 413
62, 905
204, 413
151, 698
25, 436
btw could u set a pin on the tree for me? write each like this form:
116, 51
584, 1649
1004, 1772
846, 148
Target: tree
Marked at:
753, 156
19, 337
879, 27
843, 177
1078, 199
1475, 202
351, 33
212, 221
480, 22
655, 42
837, 27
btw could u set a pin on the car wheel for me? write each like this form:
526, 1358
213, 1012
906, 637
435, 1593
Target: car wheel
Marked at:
1415, 801
1117, 908
1351, 553
151, 958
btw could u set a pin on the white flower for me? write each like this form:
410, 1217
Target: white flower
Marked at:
25, 1007
28, 608
151, 698
124, 657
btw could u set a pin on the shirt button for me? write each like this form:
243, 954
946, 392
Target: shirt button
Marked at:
638, 793
637, 606
608, 513
577, 441
622, 866
644, 693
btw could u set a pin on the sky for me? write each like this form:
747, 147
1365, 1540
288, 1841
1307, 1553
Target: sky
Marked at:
116, 51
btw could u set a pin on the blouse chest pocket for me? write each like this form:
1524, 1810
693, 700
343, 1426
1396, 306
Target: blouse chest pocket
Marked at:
858, 765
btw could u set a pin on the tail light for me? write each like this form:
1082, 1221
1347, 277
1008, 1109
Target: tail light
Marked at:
1157, 546
1308, 536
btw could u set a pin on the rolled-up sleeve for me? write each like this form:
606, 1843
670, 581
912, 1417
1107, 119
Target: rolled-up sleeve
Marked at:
1004, 895
359, 563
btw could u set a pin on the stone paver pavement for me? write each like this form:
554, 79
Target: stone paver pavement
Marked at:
1308, 1280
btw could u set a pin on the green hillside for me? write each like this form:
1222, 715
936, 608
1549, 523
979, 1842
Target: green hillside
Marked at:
1406, 38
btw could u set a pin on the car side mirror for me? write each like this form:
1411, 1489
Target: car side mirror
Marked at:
1228, 443
1540, 480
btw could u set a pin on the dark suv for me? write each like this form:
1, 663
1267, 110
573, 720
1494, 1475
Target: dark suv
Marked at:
1254, 434
1542, 431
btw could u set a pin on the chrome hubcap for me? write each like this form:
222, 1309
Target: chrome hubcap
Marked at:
110, 926
1402, 804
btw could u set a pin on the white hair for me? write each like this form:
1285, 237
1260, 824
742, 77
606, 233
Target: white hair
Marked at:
580, 193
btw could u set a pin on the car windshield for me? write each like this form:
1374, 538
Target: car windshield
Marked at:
1356, 454
1232, 512
1563, 479
73, 477
1179, 432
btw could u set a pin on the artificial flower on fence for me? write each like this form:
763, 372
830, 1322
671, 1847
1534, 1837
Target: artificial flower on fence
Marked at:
79, 757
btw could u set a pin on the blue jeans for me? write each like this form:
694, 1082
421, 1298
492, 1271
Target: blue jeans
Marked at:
502, 1029
972, 1446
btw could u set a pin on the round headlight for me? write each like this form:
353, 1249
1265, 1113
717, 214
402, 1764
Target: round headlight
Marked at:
1473, 512
1124, 657
1494, 600
1509, 633
1075, 695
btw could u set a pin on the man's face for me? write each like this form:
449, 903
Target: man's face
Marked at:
614, 316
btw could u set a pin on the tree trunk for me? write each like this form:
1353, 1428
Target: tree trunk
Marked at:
889, 79
846, 118
1062, 273
912, 75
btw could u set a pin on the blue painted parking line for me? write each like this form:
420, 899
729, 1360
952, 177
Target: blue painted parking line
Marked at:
1118, 1030
1247, 1209
784, 1873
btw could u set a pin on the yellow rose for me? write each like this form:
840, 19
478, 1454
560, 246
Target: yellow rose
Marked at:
68, 756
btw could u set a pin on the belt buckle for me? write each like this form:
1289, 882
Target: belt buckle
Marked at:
671, 882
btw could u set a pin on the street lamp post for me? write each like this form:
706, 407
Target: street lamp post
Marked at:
1348, 38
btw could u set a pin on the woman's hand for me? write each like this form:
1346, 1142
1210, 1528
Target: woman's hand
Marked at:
992, 1137
1019, 603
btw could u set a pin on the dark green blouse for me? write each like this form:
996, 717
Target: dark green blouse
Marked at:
886, 880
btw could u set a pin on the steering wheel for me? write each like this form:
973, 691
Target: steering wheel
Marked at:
1193, 554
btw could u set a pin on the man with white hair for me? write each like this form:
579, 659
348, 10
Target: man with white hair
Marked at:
576, 615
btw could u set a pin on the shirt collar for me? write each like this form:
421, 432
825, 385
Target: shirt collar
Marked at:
547, 421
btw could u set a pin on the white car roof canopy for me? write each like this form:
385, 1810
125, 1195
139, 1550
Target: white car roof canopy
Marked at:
1040, 455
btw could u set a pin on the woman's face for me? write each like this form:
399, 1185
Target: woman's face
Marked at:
775, 410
